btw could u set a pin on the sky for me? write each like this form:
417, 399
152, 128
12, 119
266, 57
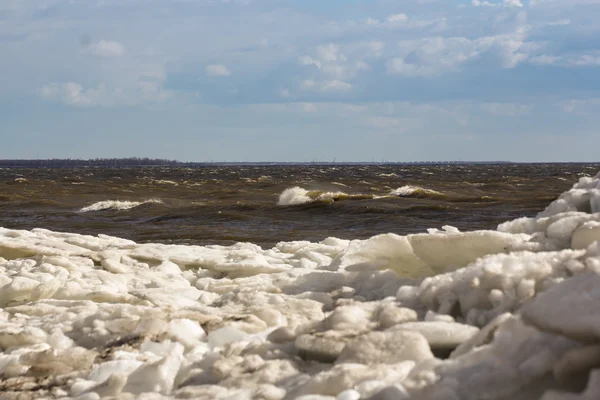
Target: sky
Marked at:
301, 80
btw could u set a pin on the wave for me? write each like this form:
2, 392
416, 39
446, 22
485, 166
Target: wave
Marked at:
416, 191
297, 195
117, 205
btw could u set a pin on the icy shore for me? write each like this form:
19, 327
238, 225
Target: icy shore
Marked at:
508, 314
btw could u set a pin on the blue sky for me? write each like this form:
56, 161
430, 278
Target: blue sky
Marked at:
301, 80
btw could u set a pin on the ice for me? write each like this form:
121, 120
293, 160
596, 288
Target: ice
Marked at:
424, 254
439, 334
157, 376
120, 367
586, 234
223, 336
505, 314
387, 347
553, 310
323, 348
349, 394
185, 331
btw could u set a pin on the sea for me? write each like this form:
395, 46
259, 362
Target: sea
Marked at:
267, 204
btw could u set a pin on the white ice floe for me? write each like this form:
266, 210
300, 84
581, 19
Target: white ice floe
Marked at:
506, 314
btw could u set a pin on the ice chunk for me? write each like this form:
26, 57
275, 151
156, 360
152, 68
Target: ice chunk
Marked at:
388, 251
396, 392
223, 336
388, 347
157, 376
571, 308
323, 347
440, 334
349, 394
185, 331
448, 251
586, 234
118, 367
342, 376
390, 315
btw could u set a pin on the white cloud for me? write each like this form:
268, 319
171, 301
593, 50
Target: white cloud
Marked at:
336, 86
329, 52
512, 3
400, 67
545, 60
586, 60
505, 3
373, 21
331, 86
438, 55
385, 122
309, 108
569, 106
73, 94
560, 22
561, 3
105, 48
151, 90
217, 70
307, 60
508, 109
146, 89
308, 84
376, 48
581, 106
397, 18
335, 65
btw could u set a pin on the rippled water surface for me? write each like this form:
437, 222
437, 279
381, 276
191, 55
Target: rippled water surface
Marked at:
268, 204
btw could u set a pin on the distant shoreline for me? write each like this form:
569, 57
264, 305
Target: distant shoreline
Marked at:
148, 162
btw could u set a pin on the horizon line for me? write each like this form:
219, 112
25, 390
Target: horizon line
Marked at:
147, 161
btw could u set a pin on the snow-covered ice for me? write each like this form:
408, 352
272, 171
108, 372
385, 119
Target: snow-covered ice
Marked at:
506, 314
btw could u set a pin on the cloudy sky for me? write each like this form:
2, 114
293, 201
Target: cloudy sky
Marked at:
301, 80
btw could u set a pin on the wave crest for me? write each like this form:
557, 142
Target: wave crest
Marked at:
117, 205
297, 195
293, 196
415, 191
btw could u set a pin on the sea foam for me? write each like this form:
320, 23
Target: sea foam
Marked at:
408, 190
297, 195
117, 205
293, 196
510, 314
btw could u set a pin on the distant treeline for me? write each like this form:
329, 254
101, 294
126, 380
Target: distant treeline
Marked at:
96, 162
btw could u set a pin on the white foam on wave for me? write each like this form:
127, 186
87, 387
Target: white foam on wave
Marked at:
294, 196
410, 190
117, 205
297, 195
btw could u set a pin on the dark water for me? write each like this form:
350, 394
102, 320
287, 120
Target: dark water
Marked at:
224, 205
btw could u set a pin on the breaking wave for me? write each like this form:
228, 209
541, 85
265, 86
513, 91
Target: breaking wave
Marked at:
297, 195
117, 205
415, 191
